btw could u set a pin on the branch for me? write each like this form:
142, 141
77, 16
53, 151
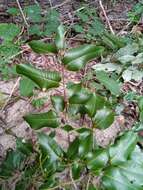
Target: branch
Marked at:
106, 17
22, 13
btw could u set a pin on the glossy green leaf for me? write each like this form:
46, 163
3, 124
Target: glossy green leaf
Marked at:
126, 176
76, 58
67, 128
12, 162
43, 79
50, 146
58, 103
103, 118
85, 142
122, 150
77, 94
40, 120
97, 160
60, 38
94, 103
26, 87
42, 47
108, 82
72, 151
77, 168
112, 41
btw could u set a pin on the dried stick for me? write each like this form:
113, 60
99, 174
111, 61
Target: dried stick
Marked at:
106, 17
22, 13
12, 91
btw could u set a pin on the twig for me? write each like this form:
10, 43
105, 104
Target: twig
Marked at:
65, 184
87, 186
22, 13
73, 182
106, 17
61, 4
13, 89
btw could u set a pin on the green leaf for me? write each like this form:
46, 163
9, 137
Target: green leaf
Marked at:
24, 146
26, 87
52, 18
50, 146
42, 47
8, 31
38, 103
51, 182
78, 96
126, 176
67, 128
21, 185
58, 103
107, 67
35, 30
85, 142
94, 103
140, 103
123, 148
12, 162
115, 41
97, 160
72, 151
91, 187
60, 37
103, 118
13, 11
40, 120
129, 49
42, 78
76, 58
108, 82
33, 13
77, 168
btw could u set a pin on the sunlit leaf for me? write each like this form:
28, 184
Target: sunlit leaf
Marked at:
58, 103
42, 78
122, 150
26, 87
42, 47
39, 120
103, 118
108, 82
76, 58
60, 37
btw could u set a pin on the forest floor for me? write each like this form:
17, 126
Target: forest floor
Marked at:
15, 106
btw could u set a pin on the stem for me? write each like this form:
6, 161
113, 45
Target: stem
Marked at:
65, 184
73, 181
87, 186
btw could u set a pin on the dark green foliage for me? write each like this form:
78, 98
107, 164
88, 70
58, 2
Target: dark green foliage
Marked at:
43, 163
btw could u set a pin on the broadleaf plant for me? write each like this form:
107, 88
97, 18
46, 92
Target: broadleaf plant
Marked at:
77, 111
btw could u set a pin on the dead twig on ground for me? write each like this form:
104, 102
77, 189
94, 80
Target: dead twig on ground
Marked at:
22, 13
106, 17
12, 91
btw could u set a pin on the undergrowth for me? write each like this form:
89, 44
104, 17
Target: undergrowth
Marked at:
79, 110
